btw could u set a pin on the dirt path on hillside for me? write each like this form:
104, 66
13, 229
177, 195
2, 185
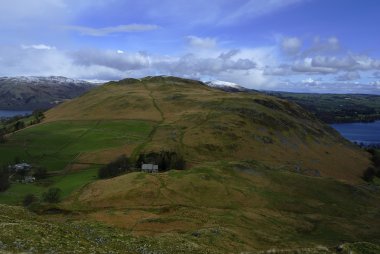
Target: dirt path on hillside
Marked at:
151, 134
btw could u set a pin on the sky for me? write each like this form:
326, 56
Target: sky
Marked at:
324, 46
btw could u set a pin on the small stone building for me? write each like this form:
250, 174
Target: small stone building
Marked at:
149, 168
21, 167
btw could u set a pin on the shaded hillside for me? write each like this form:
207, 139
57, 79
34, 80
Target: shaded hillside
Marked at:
337, 108
31, 93
207, 124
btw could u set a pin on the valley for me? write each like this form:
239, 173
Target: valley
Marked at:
261, 173
337, 108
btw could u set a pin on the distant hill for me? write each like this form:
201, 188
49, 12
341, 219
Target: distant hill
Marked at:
30, 93
337, 108
227, 86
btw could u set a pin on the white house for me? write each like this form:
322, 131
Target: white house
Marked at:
29, 179
149, 168
21, 167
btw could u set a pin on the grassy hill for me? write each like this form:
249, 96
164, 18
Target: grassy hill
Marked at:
262, 172
206, 124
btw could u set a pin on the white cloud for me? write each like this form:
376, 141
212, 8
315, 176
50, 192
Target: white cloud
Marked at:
38, 46
306, 65
111, 59
329, 87
310, 81
112, 30
334, 62
349, 76
206, 42
322, 46
291, 45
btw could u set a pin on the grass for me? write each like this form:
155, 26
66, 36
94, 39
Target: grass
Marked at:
55, 145
62, 146
254, 208
71, 182
207, 124
16, 193
67, 183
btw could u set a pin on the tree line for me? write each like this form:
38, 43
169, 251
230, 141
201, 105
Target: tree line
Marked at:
373, 171
16, 123
165, 160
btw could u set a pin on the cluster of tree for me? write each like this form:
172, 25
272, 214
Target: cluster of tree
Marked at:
4, 178
10, 120
3, 138
32, 202
40, 173
52, 195
373, 171
16, 123
38, 116
165, 160
115, 168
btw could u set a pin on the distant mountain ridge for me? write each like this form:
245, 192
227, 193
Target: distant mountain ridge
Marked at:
35, 92
226, 86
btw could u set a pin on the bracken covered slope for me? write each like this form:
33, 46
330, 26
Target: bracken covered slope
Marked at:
207, 124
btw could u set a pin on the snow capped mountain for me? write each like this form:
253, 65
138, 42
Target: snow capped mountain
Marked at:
37, 80
33, 92
226, 86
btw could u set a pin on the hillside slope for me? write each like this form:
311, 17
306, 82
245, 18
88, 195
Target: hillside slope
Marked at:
234, 207
24, 232
207, 124
30, 93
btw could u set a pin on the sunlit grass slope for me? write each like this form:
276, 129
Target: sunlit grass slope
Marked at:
71, 151
234, 207
206, 124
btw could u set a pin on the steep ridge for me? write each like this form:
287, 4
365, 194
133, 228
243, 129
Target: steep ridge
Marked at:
207, 124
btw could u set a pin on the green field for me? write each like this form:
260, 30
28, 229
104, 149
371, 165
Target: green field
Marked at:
67, 183
58, 147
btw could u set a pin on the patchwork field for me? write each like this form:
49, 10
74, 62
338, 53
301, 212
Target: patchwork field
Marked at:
71, 151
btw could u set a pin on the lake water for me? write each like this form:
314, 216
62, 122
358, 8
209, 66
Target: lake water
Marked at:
10, 113
366, 133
